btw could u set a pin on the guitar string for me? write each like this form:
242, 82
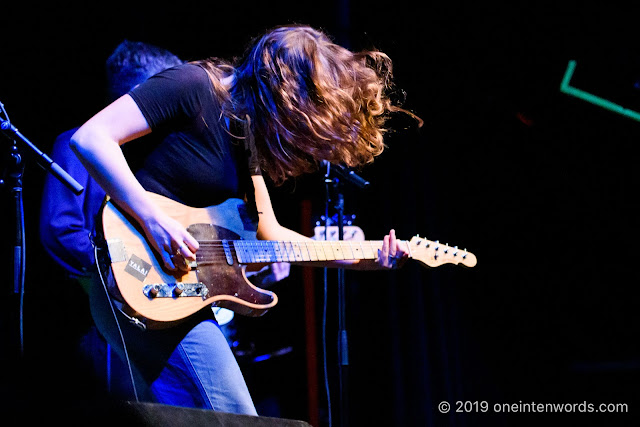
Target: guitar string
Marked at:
295, 250
264, 254
300, 242
213, 252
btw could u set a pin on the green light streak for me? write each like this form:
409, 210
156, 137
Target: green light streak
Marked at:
593, 99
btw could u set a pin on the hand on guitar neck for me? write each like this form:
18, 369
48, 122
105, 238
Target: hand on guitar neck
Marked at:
393, 254
224, 246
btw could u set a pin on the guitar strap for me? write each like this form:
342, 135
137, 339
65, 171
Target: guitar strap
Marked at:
252, 168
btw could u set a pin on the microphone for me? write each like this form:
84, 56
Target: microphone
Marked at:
345, 173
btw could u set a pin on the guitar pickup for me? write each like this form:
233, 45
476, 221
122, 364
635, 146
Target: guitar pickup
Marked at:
175, 290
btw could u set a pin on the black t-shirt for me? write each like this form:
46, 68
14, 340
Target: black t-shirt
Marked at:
195, 160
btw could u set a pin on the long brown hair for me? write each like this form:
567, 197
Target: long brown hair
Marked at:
310, 99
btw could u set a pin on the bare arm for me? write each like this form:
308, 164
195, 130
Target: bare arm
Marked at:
97, 145
392, 254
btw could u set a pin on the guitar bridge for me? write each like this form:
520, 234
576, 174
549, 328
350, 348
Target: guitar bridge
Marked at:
175, 290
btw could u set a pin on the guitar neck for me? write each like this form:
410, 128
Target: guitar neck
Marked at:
270, 251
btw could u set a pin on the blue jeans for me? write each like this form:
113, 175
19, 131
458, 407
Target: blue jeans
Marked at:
188, 365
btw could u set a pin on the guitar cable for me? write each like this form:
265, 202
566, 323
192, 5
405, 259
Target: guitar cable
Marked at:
115, 318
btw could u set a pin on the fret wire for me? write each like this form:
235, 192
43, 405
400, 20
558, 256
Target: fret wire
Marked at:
274, 251
264, 252
287, 246
258, 251
239, 247
337, 251
252, 246
277, 255
327, 249
295, 248
347, 254
292, 245
258, 247
270, 251
354, 251
313, 256
318, 251
306, 248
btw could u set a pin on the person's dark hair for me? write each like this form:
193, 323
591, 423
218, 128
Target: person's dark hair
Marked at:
131, 63
309, 100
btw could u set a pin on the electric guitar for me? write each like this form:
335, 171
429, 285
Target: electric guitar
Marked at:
227, 245
350, 232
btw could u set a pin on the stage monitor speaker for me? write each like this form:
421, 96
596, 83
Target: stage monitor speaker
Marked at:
157, 415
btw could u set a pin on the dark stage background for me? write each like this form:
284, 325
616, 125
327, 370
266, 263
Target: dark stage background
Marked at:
539, 185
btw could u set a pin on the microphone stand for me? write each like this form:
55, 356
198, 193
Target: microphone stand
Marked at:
15, 173
340, 175
41, 158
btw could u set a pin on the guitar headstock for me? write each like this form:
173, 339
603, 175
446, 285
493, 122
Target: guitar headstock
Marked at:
434, 254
